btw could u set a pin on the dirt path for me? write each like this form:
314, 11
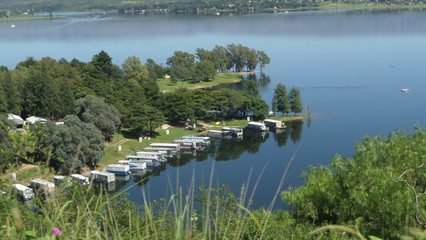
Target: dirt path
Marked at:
22, 168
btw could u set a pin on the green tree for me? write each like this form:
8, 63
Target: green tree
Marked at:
182, 59
250, 85
5, 145
144, 119
154, 70
250, 58
177, 106
221, 58
94, 110
134, 71
204, 71
41, 95
263, 59
73, 145
236, 56
295, 100
280, 101
11, 94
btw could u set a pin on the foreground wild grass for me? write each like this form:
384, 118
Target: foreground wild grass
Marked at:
81, 212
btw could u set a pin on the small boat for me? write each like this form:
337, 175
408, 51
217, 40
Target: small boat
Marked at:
405, 90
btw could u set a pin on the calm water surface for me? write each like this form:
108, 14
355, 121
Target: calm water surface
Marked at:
349, 65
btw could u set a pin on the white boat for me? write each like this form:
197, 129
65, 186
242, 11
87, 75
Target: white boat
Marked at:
274, 123
257, 126
137, 165
405, 90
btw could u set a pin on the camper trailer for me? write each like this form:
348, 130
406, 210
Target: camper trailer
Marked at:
25, 192
103, 177
59, 180
202, 140
80, 179
257, 126
118, 169
42, 186
151, 155
160, 146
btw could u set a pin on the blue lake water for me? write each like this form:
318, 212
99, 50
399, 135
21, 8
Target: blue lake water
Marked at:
349, 66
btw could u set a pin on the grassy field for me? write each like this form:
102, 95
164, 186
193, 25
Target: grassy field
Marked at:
222, 78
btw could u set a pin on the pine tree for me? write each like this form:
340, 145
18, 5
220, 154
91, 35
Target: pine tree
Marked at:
295, 100
280, 101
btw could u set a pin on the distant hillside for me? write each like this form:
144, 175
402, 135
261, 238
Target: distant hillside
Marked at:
17, 7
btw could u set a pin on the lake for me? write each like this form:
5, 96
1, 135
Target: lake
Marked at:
350, 66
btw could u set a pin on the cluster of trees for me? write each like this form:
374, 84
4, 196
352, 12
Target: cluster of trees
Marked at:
49, 88
66, 147
286, 103
220, 59
219, 104
97, 98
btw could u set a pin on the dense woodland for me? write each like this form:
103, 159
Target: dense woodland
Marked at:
96, 99
9, 8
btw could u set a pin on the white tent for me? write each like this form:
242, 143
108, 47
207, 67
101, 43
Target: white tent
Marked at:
17, 120
34, 119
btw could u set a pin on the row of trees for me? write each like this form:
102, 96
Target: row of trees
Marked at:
286, 103
204, 64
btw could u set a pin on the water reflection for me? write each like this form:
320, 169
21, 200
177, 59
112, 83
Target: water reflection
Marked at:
220, 150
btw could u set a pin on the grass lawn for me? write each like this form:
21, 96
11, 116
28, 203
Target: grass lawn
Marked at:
129, 145
221, 78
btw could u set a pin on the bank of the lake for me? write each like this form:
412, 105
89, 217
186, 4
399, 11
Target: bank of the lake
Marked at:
167, 134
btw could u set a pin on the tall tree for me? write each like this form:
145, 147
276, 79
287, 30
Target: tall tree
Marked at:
237, 57
177, 106
280, 101
134, 71
145, 118
41, 95
263, 59
11, 94
251, 86
182, 59
295, 100
221, 58
204, 71
94, 110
